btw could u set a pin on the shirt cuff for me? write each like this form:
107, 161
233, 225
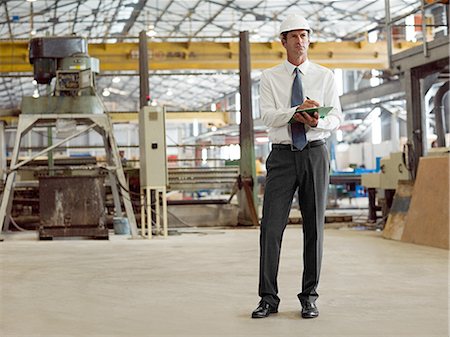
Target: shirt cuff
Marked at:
290, 113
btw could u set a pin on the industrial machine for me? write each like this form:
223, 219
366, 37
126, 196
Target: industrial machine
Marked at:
153, 170
392, 170
71, 107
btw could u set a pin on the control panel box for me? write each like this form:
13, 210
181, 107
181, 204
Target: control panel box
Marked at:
152, 146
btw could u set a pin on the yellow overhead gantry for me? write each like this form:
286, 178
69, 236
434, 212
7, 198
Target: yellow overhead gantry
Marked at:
218, 118
124, 56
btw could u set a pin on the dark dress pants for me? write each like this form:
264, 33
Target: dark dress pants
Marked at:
307, 170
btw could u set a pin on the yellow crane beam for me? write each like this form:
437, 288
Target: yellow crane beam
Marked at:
219, 118
211, 55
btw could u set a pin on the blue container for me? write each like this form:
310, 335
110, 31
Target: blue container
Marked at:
121, 226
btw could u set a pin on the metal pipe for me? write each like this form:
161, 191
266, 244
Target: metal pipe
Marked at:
424, 29
387, 9
439, 113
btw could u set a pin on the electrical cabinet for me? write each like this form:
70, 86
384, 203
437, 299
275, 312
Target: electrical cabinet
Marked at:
152, 146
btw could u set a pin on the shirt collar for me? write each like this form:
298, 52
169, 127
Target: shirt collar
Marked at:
302, 67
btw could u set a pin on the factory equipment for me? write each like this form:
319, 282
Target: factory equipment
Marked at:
68, 211
72, 104
392, 170
153, 169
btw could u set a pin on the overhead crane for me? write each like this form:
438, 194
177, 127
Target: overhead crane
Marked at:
123, 56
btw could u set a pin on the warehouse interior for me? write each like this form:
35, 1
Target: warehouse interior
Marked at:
132, 167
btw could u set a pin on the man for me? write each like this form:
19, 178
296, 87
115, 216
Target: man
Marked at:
299, 159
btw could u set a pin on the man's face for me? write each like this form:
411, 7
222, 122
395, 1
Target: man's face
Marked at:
296, 42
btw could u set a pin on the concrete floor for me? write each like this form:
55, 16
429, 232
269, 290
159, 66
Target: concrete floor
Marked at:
204, 283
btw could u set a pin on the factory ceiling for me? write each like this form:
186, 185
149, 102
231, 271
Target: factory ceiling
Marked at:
118, 21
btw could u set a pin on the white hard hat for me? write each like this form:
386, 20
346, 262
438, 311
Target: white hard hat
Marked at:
294, 22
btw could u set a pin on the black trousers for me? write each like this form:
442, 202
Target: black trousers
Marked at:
307, 170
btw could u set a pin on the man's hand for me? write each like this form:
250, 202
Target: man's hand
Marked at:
305, 118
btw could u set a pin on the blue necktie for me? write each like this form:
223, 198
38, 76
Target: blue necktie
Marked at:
298, 129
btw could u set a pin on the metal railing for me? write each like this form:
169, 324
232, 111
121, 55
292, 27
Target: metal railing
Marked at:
423, 9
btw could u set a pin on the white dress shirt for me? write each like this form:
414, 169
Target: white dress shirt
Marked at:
275, 100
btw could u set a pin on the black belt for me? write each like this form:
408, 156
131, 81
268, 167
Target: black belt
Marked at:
313, 143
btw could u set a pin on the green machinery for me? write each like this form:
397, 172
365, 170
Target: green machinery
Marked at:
63, 65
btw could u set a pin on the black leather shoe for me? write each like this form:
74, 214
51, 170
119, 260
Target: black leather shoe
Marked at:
263, 310
309, 310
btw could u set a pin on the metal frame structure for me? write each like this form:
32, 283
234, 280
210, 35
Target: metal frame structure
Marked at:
418, 68
147, 204
102, 125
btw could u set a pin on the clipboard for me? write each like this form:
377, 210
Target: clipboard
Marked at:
322, 110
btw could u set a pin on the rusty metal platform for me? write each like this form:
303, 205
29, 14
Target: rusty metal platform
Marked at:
72, 206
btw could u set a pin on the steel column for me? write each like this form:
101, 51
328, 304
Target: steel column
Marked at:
387, 9
144, 88
247, 201
414, 116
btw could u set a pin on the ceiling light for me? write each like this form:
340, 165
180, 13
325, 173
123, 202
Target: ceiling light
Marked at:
116, 79
118, 91
106, 92
151, 31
